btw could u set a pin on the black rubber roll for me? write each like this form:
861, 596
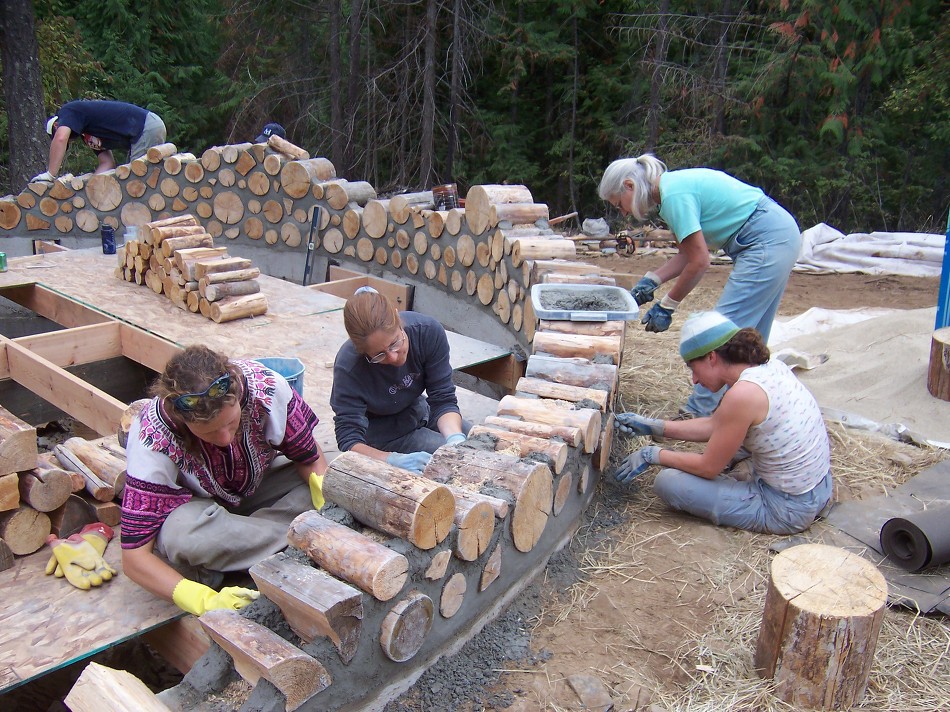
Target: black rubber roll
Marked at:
918, 541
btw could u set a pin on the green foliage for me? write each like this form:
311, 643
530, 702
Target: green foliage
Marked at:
839, 109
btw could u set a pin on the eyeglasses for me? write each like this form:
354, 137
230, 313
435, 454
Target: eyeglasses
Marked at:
394, 346
218, 389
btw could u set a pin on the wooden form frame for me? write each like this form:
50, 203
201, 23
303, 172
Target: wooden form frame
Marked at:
344, 282
39, 362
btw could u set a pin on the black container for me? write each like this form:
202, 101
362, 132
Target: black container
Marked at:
108, 240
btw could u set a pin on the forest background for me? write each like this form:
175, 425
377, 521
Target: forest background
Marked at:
840, 109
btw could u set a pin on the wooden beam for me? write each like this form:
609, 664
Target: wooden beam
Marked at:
147, 349
181, 642
505, 371
55, 307
86, 403
69, 347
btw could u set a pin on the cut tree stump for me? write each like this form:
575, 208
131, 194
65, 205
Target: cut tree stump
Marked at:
938, 375
313, 602
823, 612
259, 652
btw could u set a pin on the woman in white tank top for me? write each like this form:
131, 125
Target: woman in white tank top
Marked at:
766, 412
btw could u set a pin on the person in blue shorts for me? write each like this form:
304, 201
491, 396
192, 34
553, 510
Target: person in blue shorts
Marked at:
103, 126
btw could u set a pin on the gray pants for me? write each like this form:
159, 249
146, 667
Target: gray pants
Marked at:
423, 439
204, 535
751, 505
153, 134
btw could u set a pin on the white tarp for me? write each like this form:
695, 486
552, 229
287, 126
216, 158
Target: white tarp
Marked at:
869, 367
826, 250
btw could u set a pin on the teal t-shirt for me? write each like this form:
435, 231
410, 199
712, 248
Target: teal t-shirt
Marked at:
704, 199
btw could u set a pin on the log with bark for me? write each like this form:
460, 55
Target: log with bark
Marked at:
349, 555
574, 372
95, 486
552, 412
527, 483
555, 452
562, 391
578, 345
569, 434
391, 499
104, 463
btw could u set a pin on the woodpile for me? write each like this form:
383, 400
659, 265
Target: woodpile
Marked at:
177, 258
46, 493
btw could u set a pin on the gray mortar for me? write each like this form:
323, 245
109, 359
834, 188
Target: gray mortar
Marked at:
589, 300
603, 358
371, 680
587, 403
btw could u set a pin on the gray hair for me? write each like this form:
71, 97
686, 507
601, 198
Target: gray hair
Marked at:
644, 172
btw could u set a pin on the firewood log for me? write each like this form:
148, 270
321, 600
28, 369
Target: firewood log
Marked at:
258, 652
555, 413
231, 308
17, 444
555, 451
104, 464
390, 499
349, 555
24, 530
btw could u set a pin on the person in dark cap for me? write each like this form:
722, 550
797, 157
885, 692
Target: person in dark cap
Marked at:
102, 126
270, 130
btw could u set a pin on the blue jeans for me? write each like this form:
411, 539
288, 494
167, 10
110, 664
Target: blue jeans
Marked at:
751, 505
764, 251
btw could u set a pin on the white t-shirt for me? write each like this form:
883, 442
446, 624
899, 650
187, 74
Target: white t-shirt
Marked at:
790, 448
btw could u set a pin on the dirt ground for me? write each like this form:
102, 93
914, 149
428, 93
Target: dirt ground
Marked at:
660, 608
663, 609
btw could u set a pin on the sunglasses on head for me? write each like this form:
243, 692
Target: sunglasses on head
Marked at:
392, 348
218, 389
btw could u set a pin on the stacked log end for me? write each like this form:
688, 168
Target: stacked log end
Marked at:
53, 493
177, 257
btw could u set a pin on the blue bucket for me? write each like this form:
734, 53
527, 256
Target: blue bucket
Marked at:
290, 368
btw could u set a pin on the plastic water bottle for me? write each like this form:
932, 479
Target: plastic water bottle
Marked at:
108, 240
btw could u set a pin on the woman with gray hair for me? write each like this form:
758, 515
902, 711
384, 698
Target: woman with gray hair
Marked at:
708, 210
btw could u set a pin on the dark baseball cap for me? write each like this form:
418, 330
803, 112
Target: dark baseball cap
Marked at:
270, 130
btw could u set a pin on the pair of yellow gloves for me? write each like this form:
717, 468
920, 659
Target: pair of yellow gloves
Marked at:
78, 558
196, 598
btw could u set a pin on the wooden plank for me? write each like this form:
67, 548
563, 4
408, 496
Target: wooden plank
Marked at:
55, 307
69, 347
94, 407
504, 370
145, 348
72, 625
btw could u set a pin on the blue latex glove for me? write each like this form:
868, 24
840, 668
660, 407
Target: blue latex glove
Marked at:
635, 463
455, 439
414, 461
634, 424
643, 290
658, 319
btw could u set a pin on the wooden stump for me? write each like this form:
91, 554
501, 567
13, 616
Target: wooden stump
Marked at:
823, 612
453, 594
24, 530
938, 376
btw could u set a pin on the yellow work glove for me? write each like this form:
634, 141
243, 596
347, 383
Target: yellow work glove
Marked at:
81, 564
316, 490
98, 534
196, 598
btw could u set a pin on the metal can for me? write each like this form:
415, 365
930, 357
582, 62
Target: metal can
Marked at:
108, 240
3, 261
